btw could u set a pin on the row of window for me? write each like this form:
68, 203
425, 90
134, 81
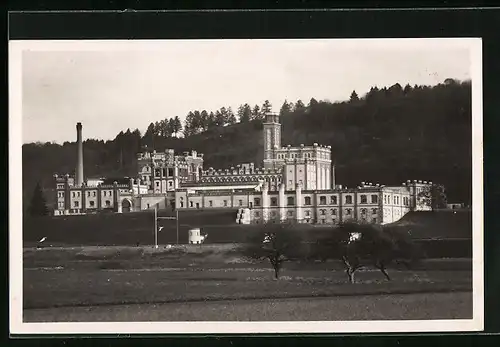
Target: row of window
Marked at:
396, 200
164, 172
169, 184
322, 212
89, 194
294, 155
107, 203
307, 201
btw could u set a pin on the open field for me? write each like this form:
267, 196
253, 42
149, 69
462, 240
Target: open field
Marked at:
441, 234
380, 307
114, 276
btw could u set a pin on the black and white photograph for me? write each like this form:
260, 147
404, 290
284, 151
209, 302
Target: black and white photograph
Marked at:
246, 186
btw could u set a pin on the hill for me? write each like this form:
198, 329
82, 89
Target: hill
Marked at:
388, 136
446, 224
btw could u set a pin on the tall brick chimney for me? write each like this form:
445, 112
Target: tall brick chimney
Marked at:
79, 163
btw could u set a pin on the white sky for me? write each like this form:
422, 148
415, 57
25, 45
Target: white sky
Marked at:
110, 86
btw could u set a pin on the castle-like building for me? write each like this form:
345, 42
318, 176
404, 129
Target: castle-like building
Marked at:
293, 184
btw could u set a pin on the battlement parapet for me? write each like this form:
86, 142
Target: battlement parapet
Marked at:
414, 182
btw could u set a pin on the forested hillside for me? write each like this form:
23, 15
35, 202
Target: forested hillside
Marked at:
387, 136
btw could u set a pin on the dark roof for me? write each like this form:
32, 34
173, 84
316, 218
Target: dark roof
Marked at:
119, 180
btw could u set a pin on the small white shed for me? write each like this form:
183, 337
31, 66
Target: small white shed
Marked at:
195, 237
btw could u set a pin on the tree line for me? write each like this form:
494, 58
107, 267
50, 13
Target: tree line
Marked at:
387, 135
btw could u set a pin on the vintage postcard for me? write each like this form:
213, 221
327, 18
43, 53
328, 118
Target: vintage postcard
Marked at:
246, 186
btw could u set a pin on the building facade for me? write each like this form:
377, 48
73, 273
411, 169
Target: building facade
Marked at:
294, 184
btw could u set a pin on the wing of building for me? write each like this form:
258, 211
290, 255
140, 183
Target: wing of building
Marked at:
293, 184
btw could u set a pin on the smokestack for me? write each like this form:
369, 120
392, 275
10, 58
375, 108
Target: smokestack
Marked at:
79, 163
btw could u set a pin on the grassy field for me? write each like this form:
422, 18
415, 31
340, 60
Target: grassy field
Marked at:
381, 307
110, 276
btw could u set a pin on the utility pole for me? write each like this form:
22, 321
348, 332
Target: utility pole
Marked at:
156, 228
176, 218
177, 224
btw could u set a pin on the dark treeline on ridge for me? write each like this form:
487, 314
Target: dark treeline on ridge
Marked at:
386, 136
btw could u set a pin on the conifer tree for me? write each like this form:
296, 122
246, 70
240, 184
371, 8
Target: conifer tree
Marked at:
38, 206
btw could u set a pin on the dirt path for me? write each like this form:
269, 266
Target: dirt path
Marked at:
374, 307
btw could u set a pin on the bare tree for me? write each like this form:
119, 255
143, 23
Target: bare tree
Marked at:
358, 245
277, 243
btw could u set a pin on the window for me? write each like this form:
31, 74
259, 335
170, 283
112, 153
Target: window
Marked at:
104, 193
147, 205
210, 203
257, 201
289, 181
88, 193
94, 193
225, 202
348, 199
394, 200
92, 204
290, 213
240, 202
157, 184
182, 204
308, 213
108, 203
363, 199
190, 204
348, 211
374, 211
257, 214
74, 194
322, 200
333, 212
307, 200
170, 183
273, 214
290, 201
363, 212
197, 205
157, 173
374, 199
75, 203
333, 200
60, 186
274, 202
322, 212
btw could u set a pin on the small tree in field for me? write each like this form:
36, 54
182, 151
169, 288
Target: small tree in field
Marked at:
275, 242
359, 245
